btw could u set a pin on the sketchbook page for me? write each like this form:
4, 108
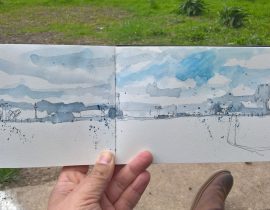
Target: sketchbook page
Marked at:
56, 104
194, 104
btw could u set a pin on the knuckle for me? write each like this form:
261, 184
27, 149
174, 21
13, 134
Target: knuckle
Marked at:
133, 170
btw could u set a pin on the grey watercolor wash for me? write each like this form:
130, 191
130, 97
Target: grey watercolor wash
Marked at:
154, 91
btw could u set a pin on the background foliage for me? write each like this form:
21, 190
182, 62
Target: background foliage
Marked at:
133, 22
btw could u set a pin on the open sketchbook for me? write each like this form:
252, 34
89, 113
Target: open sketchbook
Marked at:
62, 105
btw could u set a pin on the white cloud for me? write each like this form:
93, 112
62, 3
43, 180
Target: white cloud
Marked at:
143, 98
242, 90
218, 80
142, 83
250, 104
202, 95
35, 83
133, 68
165, 82
16, 59
256, 62
18, 99
172, 82
127, 51
63, 75
86, 99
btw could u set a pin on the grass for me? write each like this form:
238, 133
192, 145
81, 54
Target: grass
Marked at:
8, 175
119, 22
192, 7
122, 22
234, 17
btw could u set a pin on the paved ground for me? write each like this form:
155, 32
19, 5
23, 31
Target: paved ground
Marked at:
172, 187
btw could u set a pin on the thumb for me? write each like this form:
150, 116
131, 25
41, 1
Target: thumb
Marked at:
94, 185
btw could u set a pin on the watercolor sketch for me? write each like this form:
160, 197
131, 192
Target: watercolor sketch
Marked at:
62, 105
56, 102
216, 98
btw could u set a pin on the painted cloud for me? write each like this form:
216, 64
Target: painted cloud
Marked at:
57, 73
197, 73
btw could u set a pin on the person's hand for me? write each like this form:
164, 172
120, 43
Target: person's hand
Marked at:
106, 187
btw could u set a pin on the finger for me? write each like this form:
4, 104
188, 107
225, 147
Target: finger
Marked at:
82, 169
133, 193
94, 185
73, 173
105, 203
117, 169
128, 174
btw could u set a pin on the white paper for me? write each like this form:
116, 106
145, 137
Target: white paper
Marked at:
194, 104
62, 105
54, 104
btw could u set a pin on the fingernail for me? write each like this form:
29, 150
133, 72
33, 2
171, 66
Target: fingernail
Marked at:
105, 157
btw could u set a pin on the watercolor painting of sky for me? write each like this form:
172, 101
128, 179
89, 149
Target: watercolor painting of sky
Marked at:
190, 74
56, 79
56, 100
221, 92
185, 104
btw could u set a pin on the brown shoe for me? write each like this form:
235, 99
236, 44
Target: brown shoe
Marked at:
213, 192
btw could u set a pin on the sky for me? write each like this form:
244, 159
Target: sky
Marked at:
30, 73
183, 75
163, 75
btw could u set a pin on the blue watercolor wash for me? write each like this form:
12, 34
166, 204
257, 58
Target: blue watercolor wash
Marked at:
72, 60
197, 66
22, 90
241, 75
154, 91
84, 60
157, 71
61, 117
